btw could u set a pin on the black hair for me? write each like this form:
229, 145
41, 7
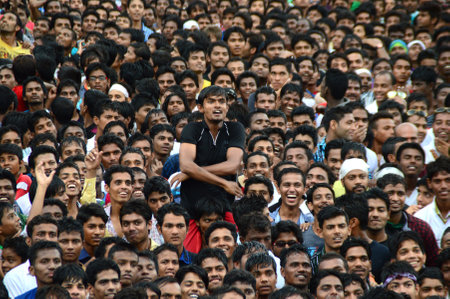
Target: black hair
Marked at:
91, 210
330, 212
315, 281
301, 110
246, 248
396, 241
218, 225
431, 273
294, 249
311, 190
260, 259
336, 114
410, 145
7, 175
355, 242
395, 268
156, 184
253, 221
132, 150
441, 164
40, 150
254, 199
70, 272
390, 179
287, 226
137, 206
299, 144
211, 253
337, 83
209, 206
68, 225
200, 272
42, 245
172, 208
287, 171
99, 265
242, 276
122, 246
355, 206
107, 177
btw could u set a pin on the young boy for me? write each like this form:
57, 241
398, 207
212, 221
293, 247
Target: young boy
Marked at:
142, 104
262, 266
11, 156
9, 222
70, 238
73, 278
14, 253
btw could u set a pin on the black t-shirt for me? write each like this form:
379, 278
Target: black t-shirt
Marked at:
209, 152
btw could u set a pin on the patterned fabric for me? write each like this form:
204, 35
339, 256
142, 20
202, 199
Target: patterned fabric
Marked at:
319, 155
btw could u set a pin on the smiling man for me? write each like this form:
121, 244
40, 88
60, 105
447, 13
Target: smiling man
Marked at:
103, 278
296, 266
222, 235
214, 261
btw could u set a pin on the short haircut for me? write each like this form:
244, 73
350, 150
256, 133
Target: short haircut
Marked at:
18, 245
315, 281
260, 259
137, 206
310, 192
107, 177
294, 249
200, 272
247, 248
377, 193
259, 180
68, 225
355, 206
38, 220
395, 268
410, 145
287, 226
431, 273
41, 150
100, 251
42, 245
218, 225
390, 179
287, 171
122, 246
156, 184
172, 208
253, 221
7, 175
442, 164
336, 114
397, 240
355, 242
212, 253
99, 265
70, 272
110, 139
242, 276
247, 205
91, 210
306, 130
330, 212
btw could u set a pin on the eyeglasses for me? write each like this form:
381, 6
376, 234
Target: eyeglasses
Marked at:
99, 78
393, 93
281, 244
416, 112
442, 110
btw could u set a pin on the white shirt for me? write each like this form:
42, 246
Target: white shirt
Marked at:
19, 280
372, 160
24, 203
280, 278
412, 199
429, 215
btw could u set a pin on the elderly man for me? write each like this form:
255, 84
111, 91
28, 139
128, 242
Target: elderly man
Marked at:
408, 131
354, 175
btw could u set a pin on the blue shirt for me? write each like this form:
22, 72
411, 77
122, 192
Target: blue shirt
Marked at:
302, 219
31, 294
319, 155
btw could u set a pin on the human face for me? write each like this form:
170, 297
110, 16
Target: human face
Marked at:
205, 221
216, 272
306, 139
302, 119
299, 157
266, 147
127, 263
138, 185
146, 270
175, 105
274, 50
397, 197
261, 237
53, 211
173, 229
410, 252
404, 285
289, 101
171, 290
302, 48
335, 264
10, 260
214, 109
266, 279
156, 200
356, 61
316, 175
353, 291
381, 85
358, 261
133, 160
7, 78
74, 131
106, 285
247, 87
334, 161
353, 92
120, 187
47, 260
334, 232
246, 288
401, 70
111, 154
425, 196
189, 88
259, 189
224, 81
135, 228
432, 287
44, 125
292, 190
70, 150
441, 126
197, 62
266, 101
259, 121
76, 288
378, 214
260, 66
163, 143
11, 137
257, 166
439, 183
71, 245
237, 68
71, 93
284, 240
223, 239
236, 42
356, 181
345, 128
330, 287
9, 23
49, 162
192, 285
278, 76
10, 223
10, 162
165, 81
219, 57
411, 162
278, 143
136, 10
297, 271
94, 231
99, 81
322, 197
383, 129
340, 64
41, 27
34, 95
168, 263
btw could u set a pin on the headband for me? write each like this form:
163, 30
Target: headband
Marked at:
396, 275
120, 88
353, 164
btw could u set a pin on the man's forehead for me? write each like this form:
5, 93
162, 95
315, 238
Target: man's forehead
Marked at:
121, 176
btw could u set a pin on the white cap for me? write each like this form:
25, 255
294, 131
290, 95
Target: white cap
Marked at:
189, 24
121, 88
388, 170
353, 164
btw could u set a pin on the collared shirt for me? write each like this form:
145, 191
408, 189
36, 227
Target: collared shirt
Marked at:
301, 219
186, 257
319, 155
433, 216
84, 256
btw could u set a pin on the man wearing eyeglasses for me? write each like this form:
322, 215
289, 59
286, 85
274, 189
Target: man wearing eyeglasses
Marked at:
97, 77
284, 235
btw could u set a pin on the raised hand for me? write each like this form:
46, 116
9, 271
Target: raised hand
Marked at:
93, 159
41, 178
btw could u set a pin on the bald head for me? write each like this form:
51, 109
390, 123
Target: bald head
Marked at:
408, 131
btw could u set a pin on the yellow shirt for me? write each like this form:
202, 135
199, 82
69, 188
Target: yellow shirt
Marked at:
8, 52
338, 188
206, 83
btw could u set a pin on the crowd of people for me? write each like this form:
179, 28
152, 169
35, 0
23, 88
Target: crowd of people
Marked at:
225, 149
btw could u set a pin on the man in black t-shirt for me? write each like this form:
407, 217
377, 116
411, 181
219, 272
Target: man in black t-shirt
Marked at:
211, 152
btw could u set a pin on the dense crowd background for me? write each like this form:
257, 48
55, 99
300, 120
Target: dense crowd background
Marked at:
224, 149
